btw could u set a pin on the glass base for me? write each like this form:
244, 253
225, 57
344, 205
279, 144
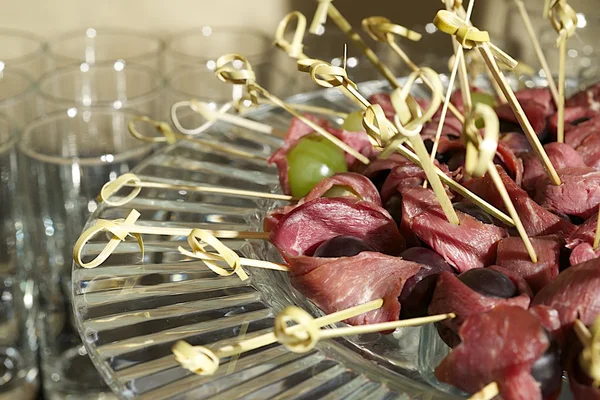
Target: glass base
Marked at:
74, 376
17, 381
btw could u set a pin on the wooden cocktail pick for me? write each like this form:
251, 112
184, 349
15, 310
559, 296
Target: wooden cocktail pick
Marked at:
170, 137
382, 131
382, 30
326, 8
119, 230
479, 159
412, 131
597, 234
564, 20
538, 50
130, 180
470, 37
212, 116
227, 73
490, 391
590, 356
299, 338
459, 65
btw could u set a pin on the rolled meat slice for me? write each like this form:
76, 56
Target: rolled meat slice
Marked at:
589, 149
537, 221
303, 229
579, 194
502, 346
471, 244
335, 284
513, 256
577, 134
537, 105
517, 142
561, 155
588, 98
575, 293
573, 117
582, 242
356, 185
452, 295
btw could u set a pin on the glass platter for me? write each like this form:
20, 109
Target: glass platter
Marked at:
130, 311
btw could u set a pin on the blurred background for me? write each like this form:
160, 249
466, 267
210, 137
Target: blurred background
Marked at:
73, 73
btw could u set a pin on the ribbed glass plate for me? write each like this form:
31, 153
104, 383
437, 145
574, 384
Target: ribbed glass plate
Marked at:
130, 311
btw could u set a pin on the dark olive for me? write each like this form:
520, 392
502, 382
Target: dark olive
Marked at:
342, 246
489, 283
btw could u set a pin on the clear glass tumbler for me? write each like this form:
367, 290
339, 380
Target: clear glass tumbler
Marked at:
67, 157
99, 45
18, 303
17, 96
117, 85
22, 50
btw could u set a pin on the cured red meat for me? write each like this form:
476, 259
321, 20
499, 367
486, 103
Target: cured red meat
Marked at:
345, 282
579, 383
512, 164
577, 134
358, 184
588, 98
452, 295
575, 293
384, 164
357, 140
517, 142
303, 229
406, 176
536, 220
537, 105
452, 127
582, 241
472, 244
561, 155
501, 346
579, 194
513, 256
573, 117
589, 149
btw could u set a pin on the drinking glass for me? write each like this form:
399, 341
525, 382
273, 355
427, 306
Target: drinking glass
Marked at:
17, 96
67, 158
18, 342
21, 50
203, 46
115, 85
99, 45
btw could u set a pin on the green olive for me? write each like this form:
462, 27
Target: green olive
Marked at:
483, 98
340, 191
353, 122
313, 159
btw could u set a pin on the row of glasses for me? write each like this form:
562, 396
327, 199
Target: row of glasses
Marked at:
64, 111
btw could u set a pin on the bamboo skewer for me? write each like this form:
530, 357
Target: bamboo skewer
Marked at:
458, 61
479, 159
203, 361
120, 229
130, 180
490, 391
564, 20
246, 76
463, 78
597, 234
298, 338
326, 8
168, 136
413, 132
382, 30
205, 110
376, 127
589, 358
538, 49
472, 37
